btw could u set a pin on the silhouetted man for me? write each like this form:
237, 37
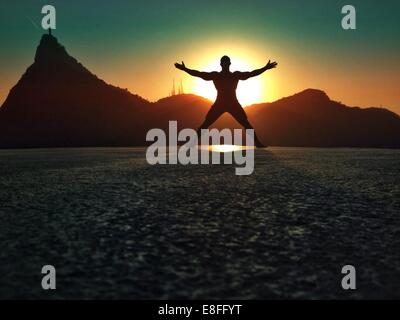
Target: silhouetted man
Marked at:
226, 83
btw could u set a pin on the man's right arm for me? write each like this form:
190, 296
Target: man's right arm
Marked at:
208, 76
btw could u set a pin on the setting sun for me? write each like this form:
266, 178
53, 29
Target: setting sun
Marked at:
248, 92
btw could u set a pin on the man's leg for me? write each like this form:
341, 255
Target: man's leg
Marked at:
240, 116
212, 115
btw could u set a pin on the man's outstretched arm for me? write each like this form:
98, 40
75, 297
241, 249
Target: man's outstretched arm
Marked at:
203, 75
257, 72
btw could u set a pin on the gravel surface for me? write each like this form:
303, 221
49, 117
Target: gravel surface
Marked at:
116, 227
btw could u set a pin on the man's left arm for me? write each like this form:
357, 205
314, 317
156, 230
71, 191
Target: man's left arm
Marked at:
257, 72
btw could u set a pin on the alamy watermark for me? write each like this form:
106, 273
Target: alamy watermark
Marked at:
165, 148
349, 280
349, 20
49, 20
49, 280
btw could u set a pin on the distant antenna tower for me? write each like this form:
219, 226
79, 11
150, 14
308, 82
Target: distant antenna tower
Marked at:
173, 88
181, 88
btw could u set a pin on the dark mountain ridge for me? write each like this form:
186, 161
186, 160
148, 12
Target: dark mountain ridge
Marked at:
59, 103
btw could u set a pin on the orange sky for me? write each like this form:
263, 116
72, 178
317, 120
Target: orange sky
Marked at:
344, 79
150, 75
135, 46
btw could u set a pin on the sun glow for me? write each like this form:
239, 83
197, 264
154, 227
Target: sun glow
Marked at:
224, 148
248, 92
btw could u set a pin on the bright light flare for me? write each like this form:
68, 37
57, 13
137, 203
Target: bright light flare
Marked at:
224, 148
248, 91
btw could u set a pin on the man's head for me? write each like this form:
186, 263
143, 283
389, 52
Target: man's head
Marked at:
225, 62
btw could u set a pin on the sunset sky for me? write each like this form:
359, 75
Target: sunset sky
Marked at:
134, 44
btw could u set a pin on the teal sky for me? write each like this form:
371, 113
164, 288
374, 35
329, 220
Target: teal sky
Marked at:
133, 44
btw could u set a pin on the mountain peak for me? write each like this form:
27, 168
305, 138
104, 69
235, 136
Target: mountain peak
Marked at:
307, 97
56, 85
50, 50
314, 93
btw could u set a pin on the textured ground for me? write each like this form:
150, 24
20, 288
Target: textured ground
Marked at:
115, 227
